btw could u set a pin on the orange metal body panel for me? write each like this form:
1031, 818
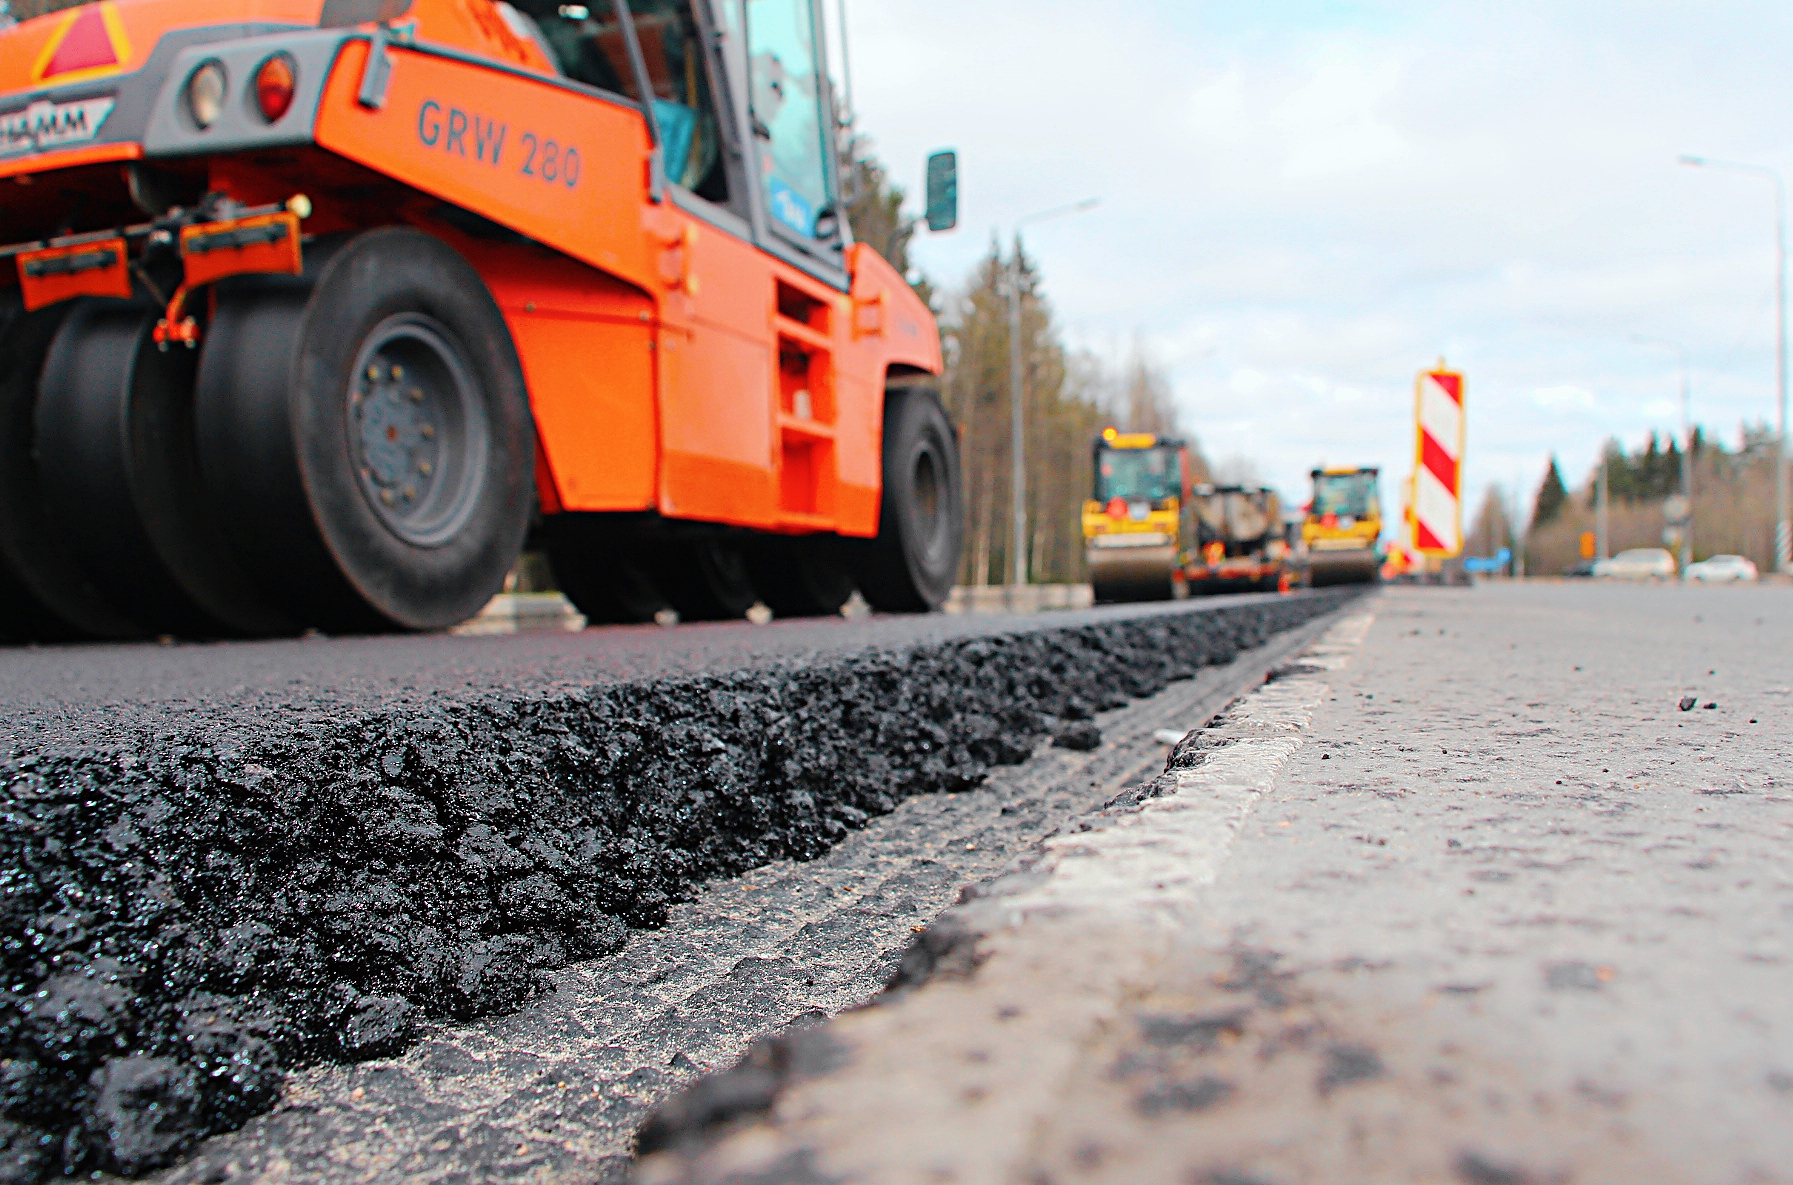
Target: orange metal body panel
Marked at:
890, 329
716, 429
68, 158
477, 25
586, 343
498, 144
693, 413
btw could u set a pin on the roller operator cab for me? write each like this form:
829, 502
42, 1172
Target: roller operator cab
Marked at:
1343, 528
316, 311
1132, 528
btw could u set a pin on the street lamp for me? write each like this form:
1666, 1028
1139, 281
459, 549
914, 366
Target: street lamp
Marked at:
1686, 440
1018, 475
1783, 534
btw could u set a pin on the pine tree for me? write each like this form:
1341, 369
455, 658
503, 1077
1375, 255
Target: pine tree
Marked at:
875, 212
1146, 399
1612, 458
1490, 531
1552, 495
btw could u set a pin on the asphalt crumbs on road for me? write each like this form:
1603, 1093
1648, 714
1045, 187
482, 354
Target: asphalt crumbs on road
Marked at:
202, 893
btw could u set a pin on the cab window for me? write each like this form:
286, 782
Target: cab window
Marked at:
1348, 495
1150, 474
586, 42
790, 108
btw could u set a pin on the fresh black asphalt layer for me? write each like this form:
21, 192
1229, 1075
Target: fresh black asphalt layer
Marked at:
219, 862
555, 1090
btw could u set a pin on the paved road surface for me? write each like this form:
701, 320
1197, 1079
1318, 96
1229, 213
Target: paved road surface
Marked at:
1466, 896
79, 694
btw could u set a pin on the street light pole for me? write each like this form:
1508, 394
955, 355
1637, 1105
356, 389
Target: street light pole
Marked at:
1017, 419
1017, 433
1783, 532
1602, 494
1686, 439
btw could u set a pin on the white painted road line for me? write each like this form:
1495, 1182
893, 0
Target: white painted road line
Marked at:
1158, 858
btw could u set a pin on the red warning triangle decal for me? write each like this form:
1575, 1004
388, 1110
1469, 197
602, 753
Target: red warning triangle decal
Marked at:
90, 41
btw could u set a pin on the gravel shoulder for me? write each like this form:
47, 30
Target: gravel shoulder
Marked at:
1470, 899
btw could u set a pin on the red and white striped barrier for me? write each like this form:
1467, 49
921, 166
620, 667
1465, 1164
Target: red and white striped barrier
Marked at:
1437, 511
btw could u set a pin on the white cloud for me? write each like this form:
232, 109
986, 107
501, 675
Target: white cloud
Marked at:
1332, 123
1565, 396
1219, 112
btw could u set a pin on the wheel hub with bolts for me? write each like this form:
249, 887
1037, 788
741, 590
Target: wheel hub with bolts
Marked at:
397, 434
416, 430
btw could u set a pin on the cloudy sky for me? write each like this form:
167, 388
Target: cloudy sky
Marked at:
1303, 204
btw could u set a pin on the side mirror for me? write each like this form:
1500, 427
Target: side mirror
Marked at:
943, 191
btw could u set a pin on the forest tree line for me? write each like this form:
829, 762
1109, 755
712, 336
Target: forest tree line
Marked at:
1733, 503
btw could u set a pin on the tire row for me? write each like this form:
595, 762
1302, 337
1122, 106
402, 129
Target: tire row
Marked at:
353, 451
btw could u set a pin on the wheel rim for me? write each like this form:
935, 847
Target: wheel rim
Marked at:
417, 430
927, 494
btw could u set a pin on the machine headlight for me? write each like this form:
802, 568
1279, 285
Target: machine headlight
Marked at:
205, 93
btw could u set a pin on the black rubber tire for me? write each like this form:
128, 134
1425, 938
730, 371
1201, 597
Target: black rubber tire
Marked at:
601, 576
120, 476
704, 579
45, 595
303, 410
910, 566
805, 576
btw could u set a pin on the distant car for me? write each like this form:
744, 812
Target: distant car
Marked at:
1582, 568
1638, 563
1721, 569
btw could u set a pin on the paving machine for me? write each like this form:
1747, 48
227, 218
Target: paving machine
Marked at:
1238, 540
1132, 524
1343, 527
312, 312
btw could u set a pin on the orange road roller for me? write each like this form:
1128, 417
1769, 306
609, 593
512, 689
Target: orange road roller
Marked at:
318, 312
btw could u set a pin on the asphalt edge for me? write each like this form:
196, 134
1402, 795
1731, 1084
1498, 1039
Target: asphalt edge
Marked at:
1240, 738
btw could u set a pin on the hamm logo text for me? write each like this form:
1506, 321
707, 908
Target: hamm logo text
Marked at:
46, 125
